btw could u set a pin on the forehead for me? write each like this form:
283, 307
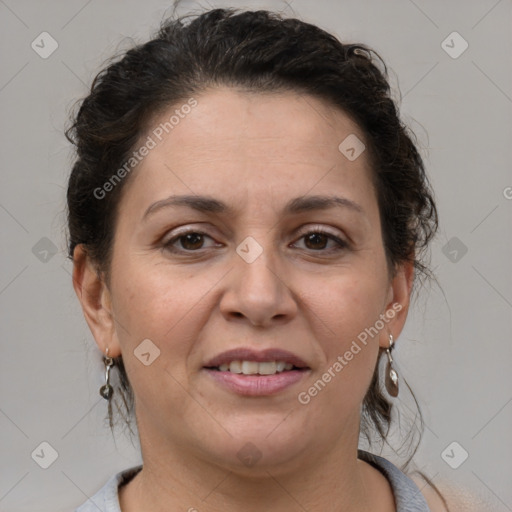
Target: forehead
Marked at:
282, 121
244, 144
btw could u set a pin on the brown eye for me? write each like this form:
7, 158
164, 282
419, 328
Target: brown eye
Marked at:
318, 239
190, 241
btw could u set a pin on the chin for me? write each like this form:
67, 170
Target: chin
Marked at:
257, 447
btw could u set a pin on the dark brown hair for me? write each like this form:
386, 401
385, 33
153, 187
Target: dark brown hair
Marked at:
256, 51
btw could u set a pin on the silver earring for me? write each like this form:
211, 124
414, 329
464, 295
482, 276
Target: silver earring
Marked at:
107, 390
391, 375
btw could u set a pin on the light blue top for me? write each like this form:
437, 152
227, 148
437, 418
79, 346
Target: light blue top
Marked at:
408, 497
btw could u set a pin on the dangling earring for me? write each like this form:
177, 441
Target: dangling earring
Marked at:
391, 375
107, 390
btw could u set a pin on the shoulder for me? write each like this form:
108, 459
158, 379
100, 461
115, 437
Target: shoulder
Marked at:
405, 490
106, 499
431, 495
456, 498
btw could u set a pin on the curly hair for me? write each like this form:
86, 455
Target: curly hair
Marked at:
256, 51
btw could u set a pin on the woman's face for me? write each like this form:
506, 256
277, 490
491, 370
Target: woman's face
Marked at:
257, 278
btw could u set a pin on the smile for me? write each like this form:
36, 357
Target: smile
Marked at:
255, 368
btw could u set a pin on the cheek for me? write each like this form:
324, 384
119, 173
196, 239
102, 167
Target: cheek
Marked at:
351, 311
351, 304
151, 297
163, 304
155, 329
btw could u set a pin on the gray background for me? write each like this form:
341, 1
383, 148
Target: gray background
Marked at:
456, 349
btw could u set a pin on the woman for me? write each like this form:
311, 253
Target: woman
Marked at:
247, 217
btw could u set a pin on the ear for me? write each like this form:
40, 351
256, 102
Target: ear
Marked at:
398, 302
94, 296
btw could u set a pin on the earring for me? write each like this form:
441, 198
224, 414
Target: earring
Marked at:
391, 375
107, 390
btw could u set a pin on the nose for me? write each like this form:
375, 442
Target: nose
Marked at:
258, 292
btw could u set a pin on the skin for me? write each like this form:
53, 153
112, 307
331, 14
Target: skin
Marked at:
254, 152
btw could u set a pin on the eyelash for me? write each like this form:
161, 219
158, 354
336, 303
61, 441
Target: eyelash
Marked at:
342, 245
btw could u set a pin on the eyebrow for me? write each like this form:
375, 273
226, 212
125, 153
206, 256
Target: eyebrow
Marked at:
207, 204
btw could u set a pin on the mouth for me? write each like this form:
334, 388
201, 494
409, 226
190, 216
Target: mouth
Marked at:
257, 373
248, 361
256, 368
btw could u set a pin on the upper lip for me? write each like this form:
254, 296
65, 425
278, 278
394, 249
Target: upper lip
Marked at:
260, 356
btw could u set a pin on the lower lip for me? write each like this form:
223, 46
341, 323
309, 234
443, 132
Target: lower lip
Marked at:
257, 385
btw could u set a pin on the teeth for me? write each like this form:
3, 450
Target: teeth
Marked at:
255, 368
234, 367
267, 368
250, 367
